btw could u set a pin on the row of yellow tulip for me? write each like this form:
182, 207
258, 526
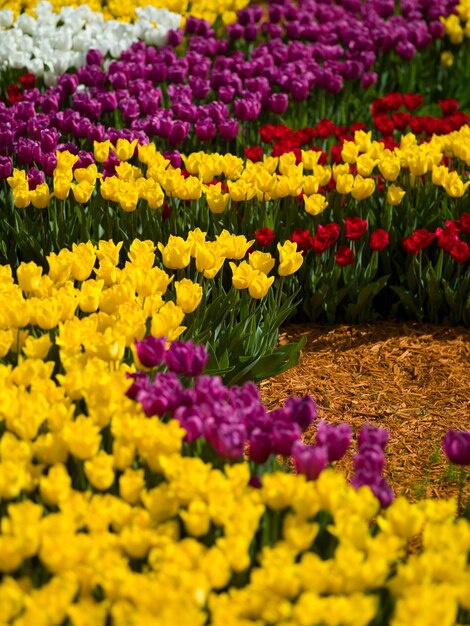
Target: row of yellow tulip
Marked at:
271, 179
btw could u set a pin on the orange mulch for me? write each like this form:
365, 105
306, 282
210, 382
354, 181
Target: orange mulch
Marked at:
410, 378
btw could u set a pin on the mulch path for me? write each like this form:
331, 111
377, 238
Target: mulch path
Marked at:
410, 378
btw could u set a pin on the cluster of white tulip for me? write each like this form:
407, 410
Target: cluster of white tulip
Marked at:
53, 43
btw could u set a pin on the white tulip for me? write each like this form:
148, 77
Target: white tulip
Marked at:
53, 43
6, 18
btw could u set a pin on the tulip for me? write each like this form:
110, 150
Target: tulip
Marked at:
176, 254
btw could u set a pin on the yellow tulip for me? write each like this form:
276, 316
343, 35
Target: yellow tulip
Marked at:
260, 285
176, 254
315, 204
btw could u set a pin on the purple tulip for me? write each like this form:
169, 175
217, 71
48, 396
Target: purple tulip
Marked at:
191, 420
309, 460
248, 109
174, 156
178, 132
48, 163
456, 446
228, 129
175, 37
370, 460
140, 382
5, 167
186, 358
229, 440
205, 130
27, 151
261, 447
151, 351
284, 435
94, 57
303, 410
162, 396
278, 103
373, 435
336, 439
35, 178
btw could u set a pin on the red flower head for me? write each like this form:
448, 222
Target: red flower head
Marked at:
344, 256
303, 240
264, 236
401, 120
384, 125
255, 153
325, 237
28, 80
166, 210
14, 93
393, 101
465, 223
410, 245
449, 106
354, 228
379, 240
326, 128
423, 238
447, 237
336, 153
459, 251
412, 101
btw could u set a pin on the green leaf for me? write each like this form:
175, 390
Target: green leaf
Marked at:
408, 302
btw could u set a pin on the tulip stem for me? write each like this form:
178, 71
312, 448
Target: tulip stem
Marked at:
462, 477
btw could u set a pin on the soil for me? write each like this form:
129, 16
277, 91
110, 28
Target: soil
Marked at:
410, 378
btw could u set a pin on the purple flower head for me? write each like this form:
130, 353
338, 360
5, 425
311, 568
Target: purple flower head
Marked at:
368, 79
228, 129
191, 420
200, 87
35, 178
68, 83
175, 37
378, 485
405, 50
27, 151
247, 109
235, 31
226, 93
278, 103
162, 396
309, 460
24, 111
151, 351
205, 130
186, 358
284, 435
5, 167
229, 440
456, 446
303, 410
370, 460
178, 131
372, 435
6, 142
250, 32
261, 446
96, 133
299, 89
49, 139
140, 382
94, 57
210, 389
174, 156
336, 439
48, 163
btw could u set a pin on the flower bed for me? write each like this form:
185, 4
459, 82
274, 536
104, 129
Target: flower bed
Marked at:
175, 183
